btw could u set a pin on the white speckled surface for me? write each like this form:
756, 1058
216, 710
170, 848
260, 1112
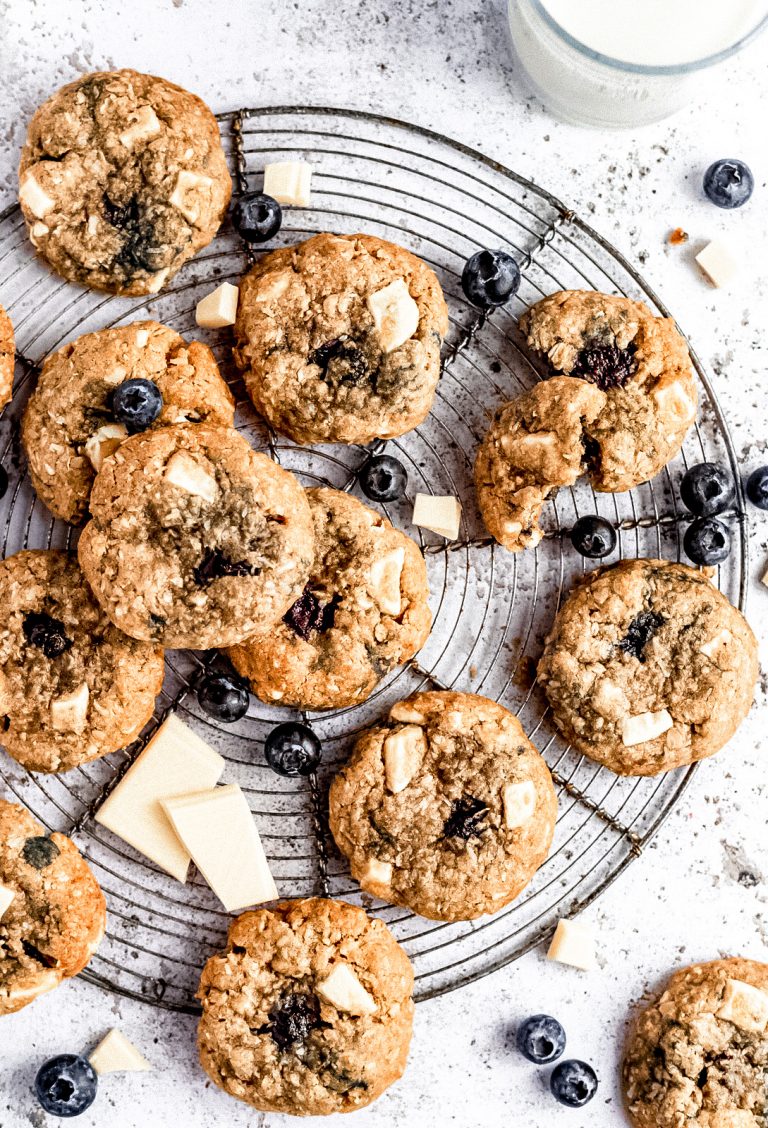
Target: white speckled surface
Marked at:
699, 892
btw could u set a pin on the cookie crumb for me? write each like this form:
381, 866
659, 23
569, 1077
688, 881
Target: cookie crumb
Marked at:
677, 237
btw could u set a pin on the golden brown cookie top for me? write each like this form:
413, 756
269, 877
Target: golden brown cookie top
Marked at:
7, 357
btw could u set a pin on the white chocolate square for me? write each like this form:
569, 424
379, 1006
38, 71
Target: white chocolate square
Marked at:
574, 944
714, 645
403, 711
718, 263
377, 872
384, 581
144, 126
745, 1006
404, 751
34, 197
186, 195
395, 315
6, 896
186, 473
70, 712
519, 802
645, 726
104, 442
219, 308
289, 182
343, 990
115, 1054
439, 514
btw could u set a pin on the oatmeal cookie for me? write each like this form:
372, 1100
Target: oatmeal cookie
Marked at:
122, 180
339, 339
308, 1010
195, 539
363, 611
72, 687
56, 916
69, 428
445, 807
7, 357
697, 1057
648, 667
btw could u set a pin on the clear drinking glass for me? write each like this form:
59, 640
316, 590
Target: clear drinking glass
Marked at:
584, 86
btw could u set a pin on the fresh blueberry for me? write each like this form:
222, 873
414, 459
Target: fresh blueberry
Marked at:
593, 536
573, 1083
541, 1039
66, 1085
292, 750
707, 489
136, 404
383, 478
729, 183
490, 278
757, 487
707, 541
223, 696
257, 217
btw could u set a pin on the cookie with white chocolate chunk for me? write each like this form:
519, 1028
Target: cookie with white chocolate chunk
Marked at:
52, 912
363, 612
339, 338
648, 667
70, 425
697, 1057
122, 179
444, 807
72, 687
308, 1010
7, 357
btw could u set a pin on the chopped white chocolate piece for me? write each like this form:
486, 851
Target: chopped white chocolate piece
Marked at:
217, 828
142, 337
158, 281
395, 315
674, 400
185, 196
6, 896
726, 1118
70, 712
175, 761
439, 514
289, 182
219, 308
404, 751
519, 801
104, 442
115, 1054
645, 726
186, 473
384, 581
38, 230
343, 990
377, 872
718, 263
35, 198
574, 944
403, 711
145, 125
721, 639
745, 1006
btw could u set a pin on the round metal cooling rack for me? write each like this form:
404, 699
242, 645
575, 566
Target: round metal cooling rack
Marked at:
491, 608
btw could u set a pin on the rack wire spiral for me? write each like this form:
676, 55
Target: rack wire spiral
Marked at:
491, 609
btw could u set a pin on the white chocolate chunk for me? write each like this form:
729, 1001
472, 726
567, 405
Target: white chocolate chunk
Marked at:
185, 196
175, 761
726, 1118
35, 198
710, 649
402, 711
104, 442
439, 514
574, 944
186, 473
745, 1006
217, 828
115, 1054
142, 337
219, 308
645, 726
673, 399
404, 751
384, 581
395, 315
289, 182
6, 896
519, 801
377, 872
718, 263
145, 125
158, 281
70, 712
38, 230
343, 990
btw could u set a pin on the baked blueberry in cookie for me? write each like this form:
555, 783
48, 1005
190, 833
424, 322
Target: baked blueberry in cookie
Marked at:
697, 1056
339, 339
122, 180
444, 807
104, 386
363, 611
52, 912
308, 1010
662, 677
72, 687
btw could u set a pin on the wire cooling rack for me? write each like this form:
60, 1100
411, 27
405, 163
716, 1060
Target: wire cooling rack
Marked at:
491, 609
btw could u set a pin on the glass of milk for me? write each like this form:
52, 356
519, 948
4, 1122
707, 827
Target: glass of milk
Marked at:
624, 62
